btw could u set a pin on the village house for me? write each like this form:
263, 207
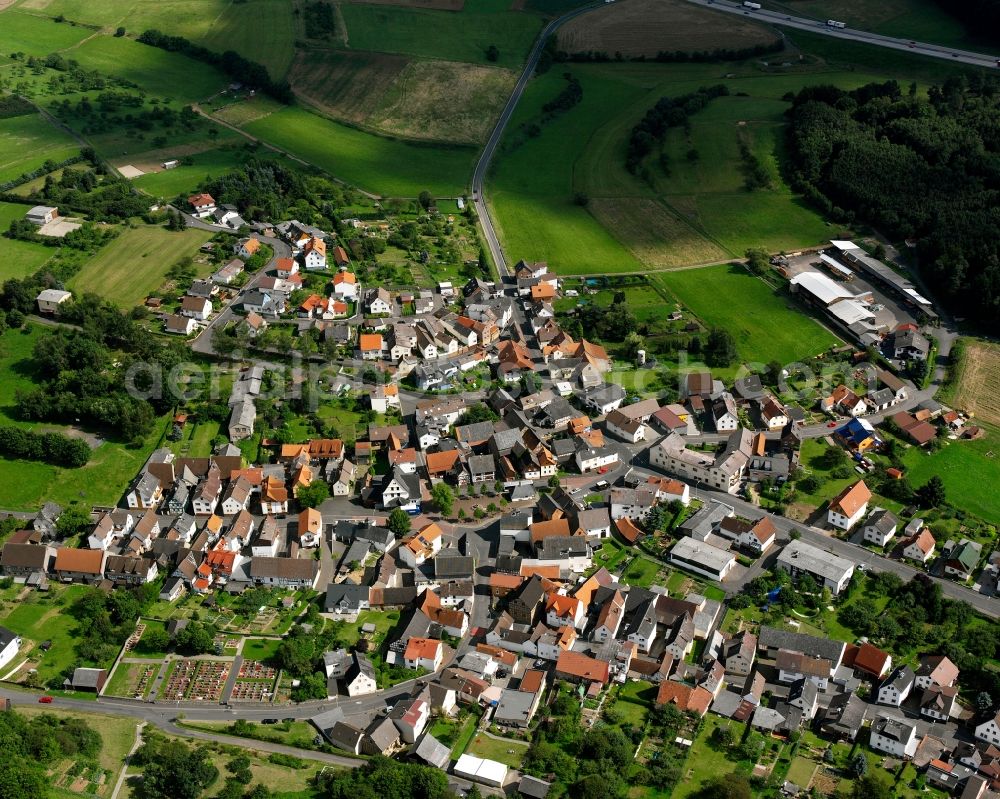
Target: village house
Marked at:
828, 570
849, 506
880, 527
50, 301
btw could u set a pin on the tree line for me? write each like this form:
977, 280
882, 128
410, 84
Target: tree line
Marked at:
668, 112
675, 56
54, 448
981, 16
927, 170
230, 62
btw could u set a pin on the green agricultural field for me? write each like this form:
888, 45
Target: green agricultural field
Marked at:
700, 212
261, 30
451, 35
136, 263
20, 258
186, 177
27, 142
158, 72
387, 166
21, 32
766, 324
964, 467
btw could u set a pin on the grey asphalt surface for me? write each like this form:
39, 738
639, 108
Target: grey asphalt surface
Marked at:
483, 165
853, 34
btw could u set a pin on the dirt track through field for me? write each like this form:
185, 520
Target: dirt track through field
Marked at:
978, 388
646, 27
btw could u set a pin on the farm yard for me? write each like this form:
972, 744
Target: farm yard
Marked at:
136, 263
648, 27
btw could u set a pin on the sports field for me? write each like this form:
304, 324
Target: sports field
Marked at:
648, 27
20, 258
135, 264
374, 163
27, 142
451, 35
765, 323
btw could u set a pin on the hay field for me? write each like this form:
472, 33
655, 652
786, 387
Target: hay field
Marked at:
978, 381
444, 101
655, 236
346, 85
646, 27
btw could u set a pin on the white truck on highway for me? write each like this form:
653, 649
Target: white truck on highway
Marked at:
832, 23
751, 6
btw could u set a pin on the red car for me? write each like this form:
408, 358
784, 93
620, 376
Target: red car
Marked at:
832, 424
45, 700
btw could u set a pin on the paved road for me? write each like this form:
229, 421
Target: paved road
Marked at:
483, 165
852, 34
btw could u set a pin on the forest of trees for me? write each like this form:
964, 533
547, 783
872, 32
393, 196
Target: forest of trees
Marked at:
30, 745
79, 374
918, 169
981, 16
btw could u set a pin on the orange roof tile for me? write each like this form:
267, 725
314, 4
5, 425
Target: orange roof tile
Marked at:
851, 499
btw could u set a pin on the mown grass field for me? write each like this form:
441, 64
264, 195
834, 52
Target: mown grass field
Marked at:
385, 166
136, 263
27, 142
20, 258
965, 467
765, 324
262, 30
158, 72
28, 484
451, 35
23, 32
209, 163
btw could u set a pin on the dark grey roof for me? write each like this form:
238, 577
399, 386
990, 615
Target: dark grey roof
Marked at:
344, 736
557, 547
846, 714
6, 636
453, 566
773, 638
345, 595
382, 733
